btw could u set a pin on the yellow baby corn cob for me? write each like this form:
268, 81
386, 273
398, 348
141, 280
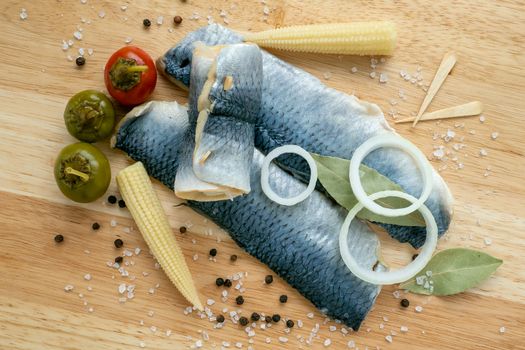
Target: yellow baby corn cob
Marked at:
145, 207
359, 38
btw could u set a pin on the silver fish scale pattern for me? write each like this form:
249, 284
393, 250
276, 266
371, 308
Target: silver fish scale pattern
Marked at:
299, 109
299, 243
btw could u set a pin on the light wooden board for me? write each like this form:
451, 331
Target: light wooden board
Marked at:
37, 80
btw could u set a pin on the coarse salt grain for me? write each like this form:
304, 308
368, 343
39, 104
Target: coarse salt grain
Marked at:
353, 70
419, 308
372, 75
487, 241
160, 20
68, 288
65, 45
310, 315
77, 35
483, 152
388, 338
101, 13
238, 345
481, 118
210, 302
403, 329
195, 257
351, 344
383, 78
494, 135
122, 288
502, 330
142, 344
327, 342
23, 14
128, 40
327, 75
332, 328
283, 339
87, 277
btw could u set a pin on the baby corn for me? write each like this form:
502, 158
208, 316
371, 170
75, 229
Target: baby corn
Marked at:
145, 207
359, 38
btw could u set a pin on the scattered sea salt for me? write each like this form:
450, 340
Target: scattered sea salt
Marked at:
68, 288
124, 7
128, 40
160, 20
77, 35
238, 345
198, 344
439, 153
419, 308
299, 323
383, 78
494, 135
310, 315
351, 344
502, 330
372, 75
23, 14
487, 241
353, 70
266, 10
483, 152
195, 257
210, 302
91, 309
481, 118
83, 1
87, 277
327, 342
327, 75
142, 344
101, 13
283, 339
388, 338
332, 328
122, 288
65, 45
403, 329
168, 332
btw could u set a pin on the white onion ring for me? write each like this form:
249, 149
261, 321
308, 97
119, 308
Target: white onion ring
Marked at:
266, 168
389, 141
396, 276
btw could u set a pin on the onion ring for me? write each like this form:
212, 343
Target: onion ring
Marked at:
389, 141
265, 169
396, 276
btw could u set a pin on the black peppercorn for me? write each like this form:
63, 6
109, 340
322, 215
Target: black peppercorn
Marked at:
267, 319
283, 298
227, 283
80, 61
182, 229
118, 243
220, 318
405, 303
146, 22
112, 199
213, 252
95, 226
119, 259
239, 300
289, 324
219, 282
276, 318
268, 279
59, 238
233, 258
255, 317
121, 203
243, 321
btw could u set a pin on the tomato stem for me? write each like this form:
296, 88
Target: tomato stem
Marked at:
137, 68
70, 171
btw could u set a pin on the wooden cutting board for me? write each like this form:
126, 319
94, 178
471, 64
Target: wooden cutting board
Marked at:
37, 80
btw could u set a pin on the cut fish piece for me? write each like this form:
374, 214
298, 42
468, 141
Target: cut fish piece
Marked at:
225, 97
300, 243
299, 109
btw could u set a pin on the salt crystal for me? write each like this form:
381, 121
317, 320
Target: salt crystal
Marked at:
388, 338
450, 134
151, 290
332, 328
487, 241
351, 344
128, 40
299, 323
481, 118
83, 1
23, 14
157, 266
151, 313
428, 273
87, 277
483, 152
327, 75
91, 309
419, 308
266, 10
383, 78
283, 339
310, 315
381, 326
122, 288
382, 60
81, 51
89, 288
142, 344
68, 288
353, 70
210, 302
439, 153
494, 135
168, 332
113, 223
502, 330
223, 13
396, 294
372, 75
344, 330
160, 20
153, 329
124, 7
327, 342
238, 345
403, 329
77, 35
102, 14
195, 257
65, 45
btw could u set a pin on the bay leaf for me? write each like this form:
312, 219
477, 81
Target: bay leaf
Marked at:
333, 175
453, 271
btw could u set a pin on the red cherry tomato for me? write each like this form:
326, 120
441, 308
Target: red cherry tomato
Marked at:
130, 75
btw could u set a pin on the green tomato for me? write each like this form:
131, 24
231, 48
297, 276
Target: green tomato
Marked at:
89, 116
82, 172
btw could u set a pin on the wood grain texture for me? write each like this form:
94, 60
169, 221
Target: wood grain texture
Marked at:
37, 80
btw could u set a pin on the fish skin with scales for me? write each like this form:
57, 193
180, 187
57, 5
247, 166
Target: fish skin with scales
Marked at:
300, 243
297, 108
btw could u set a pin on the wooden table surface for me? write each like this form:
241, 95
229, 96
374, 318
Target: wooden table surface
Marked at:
37, 80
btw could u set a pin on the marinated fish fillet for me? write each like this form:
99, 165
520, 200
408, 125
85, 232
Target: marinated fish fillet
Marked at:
225, 98
299, 109
299, 243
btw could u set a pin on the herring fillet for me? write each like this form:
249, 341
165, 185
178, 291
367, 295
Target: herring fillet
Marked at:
225, 97
299, 109
299, 243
